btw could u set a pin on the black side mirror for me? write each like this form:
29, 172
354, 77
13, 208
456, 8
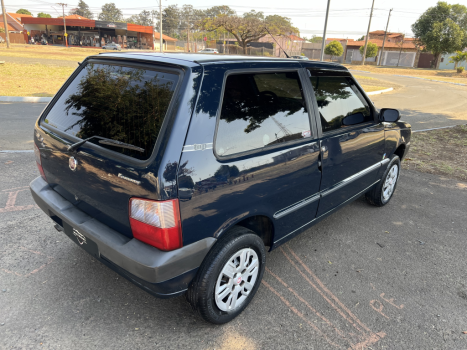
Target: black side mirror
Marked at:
353, 119
389, 115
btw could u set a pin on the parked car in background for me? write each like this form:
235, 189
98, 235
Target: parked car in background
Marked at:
179, 171
300, 58
112, 46
208, 50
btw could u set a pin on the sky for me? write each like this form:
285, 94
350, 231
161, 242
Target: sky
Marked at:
347, 19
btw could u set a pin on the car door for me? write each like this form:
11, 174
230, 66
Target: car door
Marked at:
351, 138
265, 153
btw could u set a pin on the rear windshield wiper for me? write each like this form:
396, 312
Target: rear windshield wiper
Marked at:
105, 141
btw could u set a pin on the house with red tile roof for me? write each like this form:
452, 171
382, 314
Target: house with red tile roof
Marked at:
14, 22
398, 50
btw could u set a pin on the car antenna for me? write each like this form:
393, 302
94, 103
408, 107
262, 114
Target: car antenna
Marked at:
277, 43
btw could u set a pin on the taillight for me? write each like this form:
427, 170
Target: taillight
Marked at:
37, 153
156, 223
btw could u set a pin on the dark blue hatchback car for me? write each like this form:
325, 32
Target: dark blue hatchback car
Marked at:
179, 171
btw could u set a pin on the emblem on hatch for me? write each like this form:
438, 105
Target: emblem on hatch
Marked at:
72, 163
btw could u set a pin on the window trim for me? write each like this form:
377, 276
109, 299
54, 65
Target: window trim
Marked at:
271, 148
106, 152
338, 73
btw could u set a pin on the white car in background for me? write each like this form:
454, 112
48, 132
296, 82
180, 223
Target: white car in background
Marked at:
209, 51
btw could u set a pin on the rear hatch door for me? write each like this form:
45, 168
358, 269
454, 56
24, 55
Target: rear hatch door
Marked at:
126, 102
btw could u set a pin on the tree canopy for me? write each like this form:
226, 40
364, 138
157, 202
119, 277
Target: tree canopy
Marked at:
144, 18
334, 48
82, 10
371, 50
110, 12
252, 26
43, 15
24, 12
442, 28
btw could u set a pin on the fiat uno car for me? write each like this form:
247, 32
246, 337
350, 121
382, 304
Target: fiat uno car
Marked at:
179, 171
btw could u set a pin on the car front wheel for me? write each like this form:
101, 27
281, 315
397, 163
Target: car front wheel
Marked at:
384, 190
229, 277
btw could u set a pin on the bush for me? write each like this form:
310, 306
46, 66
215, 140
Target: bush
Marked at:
460, 69
371, 50
334, 48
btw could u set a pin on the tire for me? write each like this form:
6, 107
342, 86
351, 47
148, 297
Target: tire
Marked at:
211, 278
382, 193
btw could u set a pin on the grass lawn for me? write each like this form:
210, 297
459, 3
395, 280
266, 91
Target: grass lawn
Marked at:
435, 74
440, 152
32, 79
18, 78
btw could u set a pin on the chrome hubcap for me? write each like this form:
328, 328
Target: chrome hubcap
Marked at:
236, 280
390, 182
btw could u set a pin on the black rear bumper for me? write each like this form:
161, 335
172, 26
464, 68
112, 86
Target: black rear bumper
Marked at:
163, 274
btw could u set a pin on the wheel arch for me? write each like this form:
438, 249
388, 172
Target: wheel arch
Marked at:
260, 224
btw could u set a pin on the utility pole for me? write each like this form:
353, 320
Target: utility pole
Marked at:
153, 30
7, 34
160, 26
325, 28
384, 39
367, 34
64, 23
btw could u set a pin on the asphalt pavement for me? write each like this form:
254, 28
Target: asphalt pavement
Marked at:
424, 104
364, 278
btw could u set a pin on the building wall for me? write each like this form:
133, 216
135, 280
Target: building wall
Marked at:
386, 49
444, 64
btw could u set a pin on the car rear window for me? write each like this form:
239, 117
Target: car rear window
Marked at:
126, 104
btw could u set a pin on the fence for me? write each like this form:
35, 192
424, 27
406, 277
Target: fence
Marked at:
15, 38
395, 58
355, 55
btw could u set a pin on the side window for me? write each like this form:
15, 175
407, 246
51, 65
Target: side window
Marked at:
261, 110
340, 103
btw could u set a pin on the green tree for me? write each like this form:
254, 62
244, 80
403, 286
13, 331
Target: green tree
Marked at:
315, 39
361, 39
334, 48
110, 12
2, 30
442, 29
144, 18
250, 27
371, 50
43, 15
171, 20
24, 12
82, 10
216, 11
458, 57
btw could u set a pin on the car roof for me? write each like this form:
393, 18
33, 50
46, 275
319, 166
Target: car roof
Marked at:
191, 59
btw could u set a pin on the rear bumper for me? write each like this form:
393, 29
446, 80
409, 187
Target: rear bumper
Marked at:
163, 274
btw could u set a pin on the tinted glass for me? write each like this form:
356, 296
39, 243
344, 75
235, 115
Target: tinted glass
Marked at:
119, 103
338, 98
260, 110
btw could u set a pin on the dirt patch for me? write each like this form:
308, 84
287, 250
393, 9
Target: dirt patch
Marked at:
440, 152
372, 84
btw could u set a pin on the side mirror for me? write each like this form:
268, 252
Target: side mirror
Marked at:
389, 115
353, 119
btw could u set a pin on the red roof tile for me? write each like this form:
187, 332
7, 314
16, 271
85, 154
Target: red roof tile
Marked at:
165, 37
405, 45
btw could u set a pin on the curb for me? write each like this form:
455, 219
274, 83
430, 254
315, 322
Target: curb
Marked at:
25, 99
379, 92
436, 81
441, 127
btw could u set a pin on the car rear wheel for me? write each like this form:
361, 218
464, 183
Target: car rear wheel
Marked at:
382, 193
229, 277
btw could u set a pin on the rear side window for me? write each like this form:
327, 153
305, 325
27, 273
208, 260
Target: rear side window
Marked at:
120, 103
261, 110
340, 103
